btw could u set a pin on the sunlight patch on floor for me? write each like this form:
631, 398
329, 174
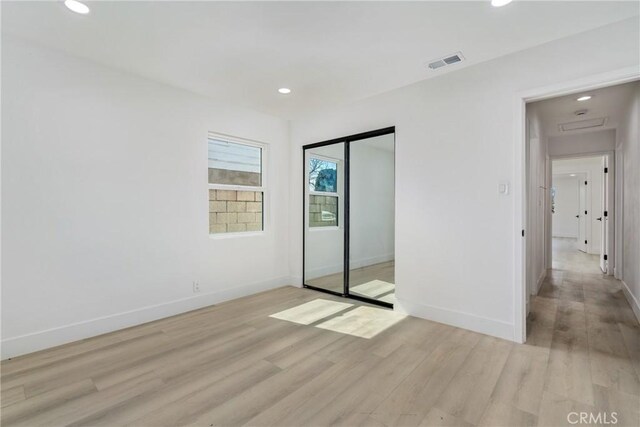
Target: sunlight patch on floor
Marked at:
312, 311
364, 322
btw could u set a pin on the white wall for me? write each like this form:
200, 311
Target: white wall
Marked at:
105, 205
567, 206
583, 143
454, 144
628, 172
591, 168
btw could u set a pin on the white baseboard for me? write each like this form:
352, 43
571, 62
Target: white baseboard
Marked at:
364, 262
543, 275
314, 273
24, 344
633, 301
483, 325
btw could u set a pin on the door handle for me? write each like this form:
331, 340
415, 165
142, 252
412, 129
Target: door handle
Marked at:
599, 219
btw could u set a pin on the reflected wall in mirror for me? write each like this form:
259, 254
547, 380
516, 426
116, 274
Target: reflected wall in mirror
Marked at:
372, 218
324, 217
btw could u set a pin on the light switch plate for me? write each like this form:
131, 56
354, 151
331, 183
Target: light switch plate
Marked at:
503, 187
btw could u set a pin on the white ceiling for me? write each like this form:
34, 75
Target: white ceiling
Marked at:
328, 53
610, 102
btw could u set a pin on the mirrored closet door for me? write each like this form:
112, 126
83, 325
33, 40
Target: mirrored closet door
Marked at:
324, 218
349, 216
372, 218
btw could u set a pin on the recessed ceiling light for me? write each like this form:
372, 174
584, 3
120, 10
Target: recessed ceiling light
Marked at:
284, 90
500, 3
573, 174
76, 6
584, 98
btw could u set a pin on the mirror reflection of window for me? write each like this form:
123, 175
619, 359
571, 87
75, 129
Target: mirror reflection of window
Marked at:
323, 189
323, 175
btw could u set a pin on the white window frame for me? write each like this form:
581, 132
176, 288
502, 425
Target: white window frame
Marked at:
338, 194
261, 188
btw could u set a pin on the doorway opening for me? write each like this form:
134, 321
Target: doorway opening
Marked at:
572, 254
349, 217
579, 214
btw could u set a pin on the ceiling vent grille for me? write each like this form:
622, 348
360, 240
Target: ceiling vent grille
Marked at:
582, 124
446, 60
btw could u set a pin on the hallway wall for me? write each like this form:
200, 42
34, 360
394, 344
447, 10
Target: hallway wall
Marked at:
628, 161
538, 200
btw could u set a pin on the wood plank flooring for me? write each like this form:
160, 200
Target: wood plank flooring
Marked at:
232, 364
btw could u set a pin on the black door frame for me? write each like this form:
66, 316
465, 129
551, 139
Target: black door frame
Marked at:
346, 140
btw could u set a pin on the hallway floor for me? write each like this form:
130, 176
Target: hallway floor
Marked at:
567, 257
584, 326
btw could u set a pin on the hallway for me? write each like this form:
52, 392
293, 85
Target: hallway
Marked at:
583, 318
567, 257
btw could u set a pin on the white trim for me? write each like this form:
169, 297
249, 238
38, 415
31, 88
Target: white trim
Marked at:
543, 275
24, 344
325, 270
236, 139
229, 187
633, 301
353, 264
366, 262
472, 322
307, 155
318, 229
324, 193
236, 234
615, 77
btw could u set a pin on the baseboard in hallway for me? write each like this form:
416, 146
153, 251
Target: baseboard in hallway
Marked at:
633, 301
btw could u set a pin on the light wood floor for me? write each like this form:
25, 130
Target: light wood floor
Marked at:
233, 365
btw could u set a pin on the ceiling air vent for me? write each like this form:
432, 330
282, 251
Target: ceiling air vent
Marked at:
582, 124
447, 60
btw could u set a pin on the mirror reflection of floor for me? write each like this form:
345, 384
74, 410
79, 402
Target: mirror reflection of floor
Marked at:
373, 281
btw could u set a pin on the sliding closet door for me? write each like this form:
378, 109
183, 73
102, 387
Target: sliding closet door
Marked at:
371, 209
324, 217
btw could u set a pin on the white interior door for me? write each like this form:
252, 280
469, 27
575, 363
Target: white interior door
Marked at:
581, 215
604, 218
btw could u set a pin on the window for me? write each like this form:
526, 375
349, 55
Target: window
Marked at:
324, 199
236, 185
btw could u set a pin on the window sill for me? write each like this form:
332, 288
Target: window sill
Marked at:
222, 236
330, 228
